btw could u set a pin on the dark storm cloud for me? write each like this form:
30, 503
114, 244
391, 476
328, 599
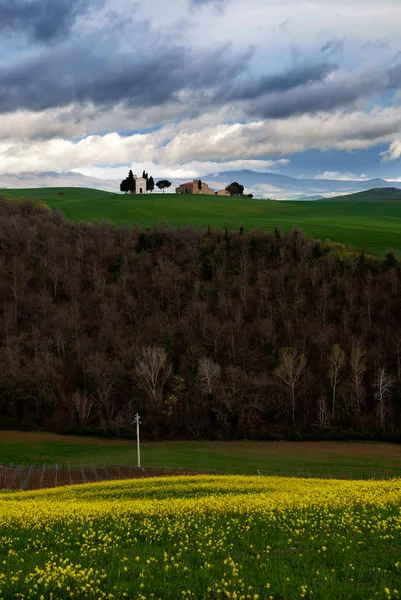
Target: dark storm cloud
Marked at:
310, 101
332, 94
282, 82
341, 91
44, 20
156, 69
90, 71
94, 71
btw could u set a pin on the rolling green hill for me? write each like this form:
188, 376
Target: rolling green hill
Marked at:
374, 195
375, 226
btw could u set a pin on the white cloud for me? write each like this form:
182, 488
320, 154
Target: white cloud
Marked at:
280, 137
393, 152
339, 176
183, 147
76, 121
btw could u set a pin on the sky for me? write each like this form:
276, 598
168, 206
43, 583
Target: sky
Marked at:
186, 88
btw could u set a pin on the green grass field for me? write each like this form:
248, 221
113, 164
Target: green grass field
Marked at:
375, 226
203, 538
373, 195
237, 457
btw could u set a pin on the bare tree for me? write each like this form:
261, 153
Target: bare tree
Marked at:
336, 362
290, 369
8, 321
383, 384
84, 405
125, 419
212, 332
323, 416
208, 375
102, 375
153, 370
358, 368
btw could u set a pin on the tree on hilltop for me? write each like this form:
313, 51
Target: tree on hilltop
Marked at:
164, 183
200, 185
124, 185
235, 189
150, 184
131, 180
128, 184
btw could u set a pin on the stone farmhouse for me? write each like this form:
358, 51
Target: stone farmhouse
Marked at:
191, 187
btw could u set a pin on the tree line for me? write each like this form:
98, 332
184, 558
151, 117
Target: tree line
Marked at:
128, 185
213, 334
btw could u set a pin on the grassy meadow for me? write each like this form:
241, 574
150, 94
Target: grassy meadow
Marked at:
375, 226
373, 195
203, 538
334, 458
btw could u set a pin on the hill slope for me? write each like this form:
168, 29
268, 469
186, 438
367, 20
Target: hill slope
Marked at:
374, 195
97, 306
374, 226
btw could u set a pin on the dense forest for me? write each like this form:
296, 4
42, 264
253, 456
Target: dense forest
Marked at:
208, 334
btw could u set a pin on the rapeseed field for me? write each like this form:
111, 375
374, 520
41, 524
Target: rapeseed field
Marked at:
203, 537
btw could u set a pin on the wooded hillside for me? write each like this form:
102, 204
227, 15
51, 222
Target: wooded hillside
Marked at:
212, 334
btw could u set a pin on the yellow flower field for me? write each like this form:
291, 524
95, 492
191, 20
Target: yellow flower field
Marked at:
203, 537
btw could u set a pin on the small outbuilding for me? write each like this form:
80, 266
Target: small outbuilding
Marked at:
140, 185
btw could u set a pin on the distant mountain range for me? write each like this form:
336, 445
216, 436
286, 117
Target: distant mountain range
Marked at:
262, 185
281, 187
52, 179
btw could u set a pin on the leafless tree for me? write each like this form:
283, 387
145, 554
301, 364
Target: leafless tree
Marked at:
383, 385
102, 374
290, 370
208, 375
8, 321
153, 370
84, 406
358, 369
336, 362
323, 416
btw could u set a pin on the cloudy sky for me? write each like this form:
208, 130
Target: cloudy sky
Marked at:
183, 88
